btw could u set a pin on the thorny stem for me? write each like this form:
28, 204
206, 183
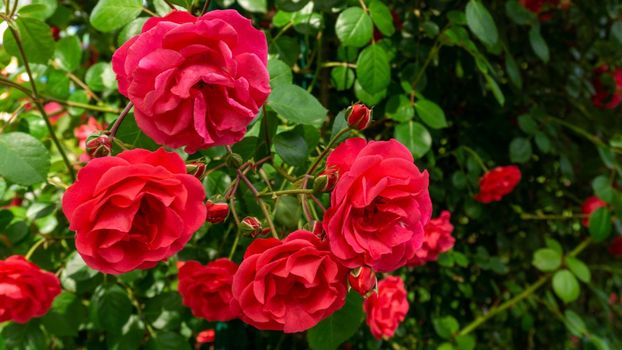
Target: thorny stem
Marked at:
117, 123
523, 295
37, 103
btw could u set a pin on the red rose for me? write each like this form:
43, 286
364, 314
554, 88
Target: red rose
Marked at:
608, 94
362, 280
359, 116
386, 309
615, 248
133, 210
206, 289
25, 290
378, 207
289, 285
589, 206
437, 239
216, 212
536, 6
195, 82
498, 182
206, 336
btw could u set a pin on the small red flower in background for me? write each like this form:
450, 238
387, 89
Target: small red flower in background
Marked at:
54, 110
133, 210
608, 94
216, 212
613, 299
25, 290
615, 248
589, 206
289, 285
206, 336
83, 132
537, 6
497, 183
206, 289
386, 309
437, 239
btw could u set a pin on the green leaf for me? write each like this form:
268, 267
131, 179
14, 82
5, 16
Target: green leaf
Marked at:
287, 212
164, 311
565, 285
367, 97
79, 96
481, 22
290, 5
342, 78
100, 77
65, 316
287, 49
297, 105
292, 147
167, 341
68, 53
131, 29
280, 72
415, 137
131, 337
466, 342
111, 308
399, 108
602, 188
33, 10
28, 336
616, 30
600, 224
354, 27
511, 67
259, 6
543, 142
339, 327
579, 269
109, 15
519, 14
446, 326
382, 18
57, 84
547, 259
574, 323
23, 159
527, 124
36, 38
430, 113
539, 46
520, 150
130, 133
373, 69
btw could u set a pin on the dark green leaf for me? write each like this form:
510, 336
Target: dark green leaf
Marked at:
297, 105
36, 39
111, 308
339, 327
602, 188
23, 159
574, 323
354, 27
519, 14
130, 133
481, 22
430, 113
600, 224
292, 147
65, 316
539, 46
520, 150
168, 341
382, 18
290, 5
399, 108
373, 69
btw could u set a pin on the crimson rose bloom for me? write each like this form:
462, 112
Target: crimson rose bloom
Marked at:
497, 183
536, 6
133, 210
206, 289
615, 248
589, 206
25, 290
386, 309
195, 82
437, 239
289, 285
607, 97
378, 207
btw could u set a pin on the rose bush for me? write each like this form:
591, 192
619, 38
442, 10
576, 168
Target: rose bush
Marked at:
323, 174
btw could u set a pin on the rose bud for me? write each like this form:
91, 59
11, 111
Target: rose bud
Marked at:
98, 146
362, 280
326, 180
251, 225
233, 160
359, 116
216, 212
206, 336
196, 169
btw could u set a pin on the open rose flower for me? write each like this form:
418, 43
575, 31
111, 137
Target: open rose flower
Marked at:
206, 289
195, 82
378, 207
133, 210
589, 206
437, 239
386, 309
25, 290
289, 285
497, 183
608, 87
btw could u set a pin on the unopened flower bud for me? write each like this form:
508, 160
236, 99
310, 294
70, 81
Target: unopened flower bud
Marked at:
358, 116
326, 180
196, 169
216, 212
233, 160
98, 145
363, 280
251, 225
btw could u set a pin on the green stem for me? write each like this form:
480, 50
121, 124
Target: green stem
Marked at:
83, 105
260, 202
117, 123
524, 294
338, 64
37, 103
34, 248
319, 159
283, 30
149, 12
285, 192
592, 138
476, 156
527, 216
